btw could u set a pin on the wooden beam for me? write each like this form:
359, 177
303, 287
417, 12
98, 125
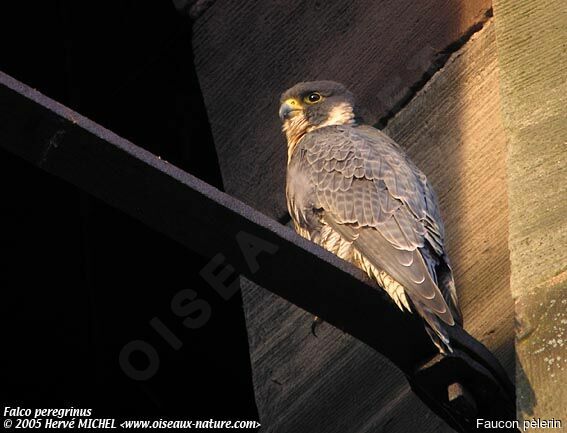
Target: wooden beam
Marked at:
66, 144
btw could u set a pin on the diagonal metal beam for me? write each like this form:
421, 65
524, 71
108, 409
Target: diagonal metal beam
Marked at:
210, 222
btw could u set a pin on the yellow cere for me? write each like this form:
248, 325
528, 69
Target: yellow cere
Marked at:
293, 102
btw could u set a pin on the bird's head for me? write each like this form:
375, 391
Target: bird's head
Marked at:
315, 104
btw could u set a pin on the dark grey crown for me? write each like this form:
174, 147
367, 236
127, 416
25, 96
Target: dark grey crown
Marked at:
325, 88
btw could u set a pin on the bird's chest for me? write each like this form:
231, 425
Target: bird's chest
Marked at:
301, 196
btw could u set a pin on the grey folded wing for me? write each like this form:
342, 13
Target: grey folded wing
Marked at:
370, 193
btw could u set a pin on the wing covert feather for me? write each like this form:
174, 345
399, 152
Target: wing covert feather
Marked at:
370, 191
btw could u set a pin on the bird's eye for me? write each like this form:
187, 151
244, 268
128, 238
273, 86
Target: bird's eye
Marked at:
313, 98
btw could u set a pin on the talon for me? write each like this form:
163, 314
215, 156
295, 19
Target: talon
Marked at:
316, 321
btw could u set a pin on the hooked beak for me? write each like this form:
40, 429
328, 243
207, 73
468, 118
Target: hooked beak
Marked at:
290, 108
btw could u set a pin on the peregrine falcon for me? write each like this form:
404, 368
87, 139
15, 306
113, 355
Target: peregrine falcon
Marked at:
352, 190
